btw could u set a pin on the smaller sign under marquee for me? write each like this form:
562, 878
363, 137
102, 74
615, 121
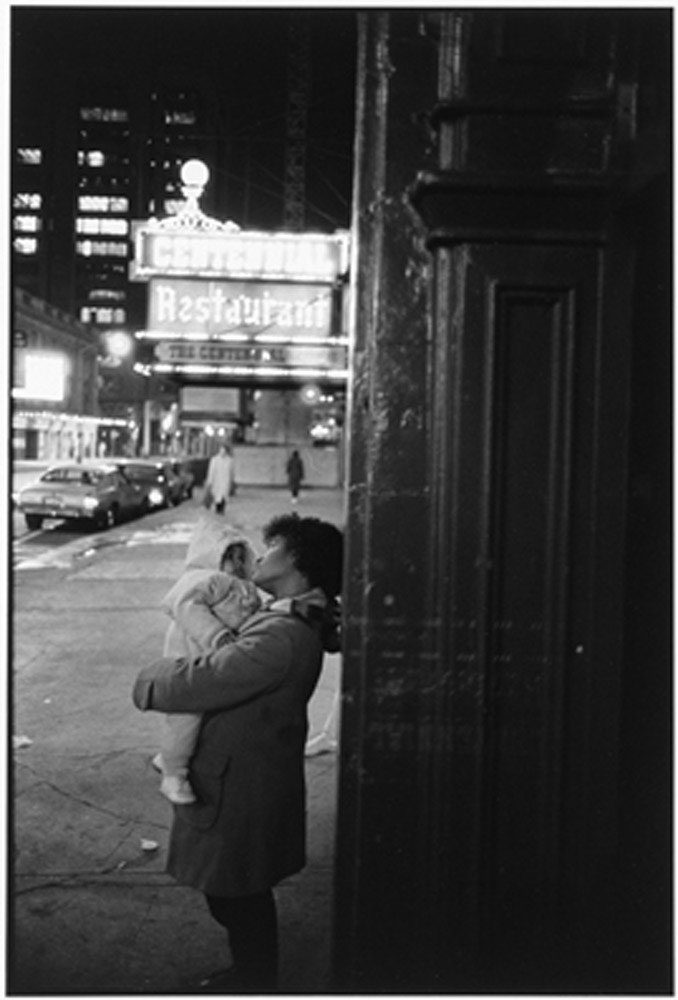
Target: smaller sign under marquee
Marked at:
217, 354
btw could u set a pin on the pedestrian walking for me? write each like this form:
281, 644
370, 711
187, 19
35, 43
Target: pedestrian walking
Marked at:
295, 474
219, 480
246, 832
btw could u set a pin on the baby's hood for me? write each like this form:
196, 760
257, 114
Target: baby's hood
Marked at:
211, 537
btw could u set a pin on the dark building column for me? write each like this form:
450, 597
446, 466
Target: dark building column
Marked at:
511, 274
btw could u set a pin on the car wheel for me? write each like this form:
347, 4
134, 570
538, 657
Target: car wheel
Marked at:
106, 518
33, 522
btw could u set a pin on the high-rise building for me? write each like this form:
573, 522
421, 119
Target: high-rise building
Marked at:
113, 157
107, 105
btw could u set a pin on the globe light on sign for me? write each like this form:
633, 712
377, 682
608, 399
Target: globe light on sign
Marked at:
194, 176
195, 173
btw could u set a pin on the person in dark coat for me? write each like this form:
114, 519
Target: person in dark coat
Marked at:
246, 832
295, 474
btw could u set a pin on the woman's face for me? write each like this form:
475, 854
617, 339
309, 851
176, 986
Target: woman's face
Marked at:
274, 567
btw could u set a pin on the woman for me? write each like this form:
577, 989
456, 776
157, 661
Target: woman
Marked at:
247, 831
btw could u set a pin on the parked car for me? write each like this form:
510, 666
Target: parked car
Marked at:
186, 477
159, 484
95, 491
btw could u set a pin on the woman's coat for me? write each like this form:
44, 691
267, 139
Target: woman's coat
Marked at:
246, 832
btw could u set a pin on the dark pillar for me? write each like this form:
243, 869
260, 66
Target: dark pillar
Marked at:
485, 714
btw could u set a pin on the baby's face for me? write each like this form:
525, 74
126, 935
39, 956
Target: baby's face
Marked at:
238, 560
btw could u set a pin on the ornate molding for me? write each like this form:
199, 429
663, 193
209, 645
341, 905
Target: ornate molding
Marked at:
194, 220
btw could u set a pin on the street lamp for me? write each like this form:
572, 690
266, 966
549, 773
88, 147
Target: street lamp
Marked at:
310, 394
118, 344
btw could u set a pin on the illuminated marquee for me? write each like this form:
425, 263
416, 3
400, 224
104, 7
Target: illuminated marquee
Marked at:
181, 352
230, 308
243, 254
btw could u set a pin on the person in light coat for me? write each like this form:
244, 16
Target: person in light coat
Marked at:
219, 480
247, 831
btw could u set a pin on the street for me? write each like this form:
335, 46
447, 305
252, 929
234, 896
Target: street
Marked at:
93, 910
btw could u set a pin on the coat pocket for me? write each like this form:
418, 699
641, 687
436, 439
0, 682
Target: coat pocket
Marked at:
207, 781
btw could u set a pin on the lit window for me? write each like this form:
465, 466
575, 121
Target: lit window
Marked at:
87, 226
173, 205
26, 245
29, 154
92, 203
102, 203
107, 227
27, 200
27, 223
100, 248
103, 294
102, 315
103, 115
91, 158
180, 117
114, 227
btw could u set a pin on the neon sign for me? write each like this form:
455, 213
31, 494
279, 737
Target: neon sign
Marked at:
232, 308
313, 257
183, 352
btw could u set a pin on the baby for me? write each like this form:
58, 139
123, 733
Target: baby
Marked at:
206, 605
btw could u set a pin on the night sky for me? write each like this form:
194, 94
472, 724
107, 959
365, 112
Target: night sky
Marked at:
240, 55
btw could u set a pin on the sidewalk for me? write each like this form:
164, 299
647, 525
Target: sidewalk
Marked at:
93, 911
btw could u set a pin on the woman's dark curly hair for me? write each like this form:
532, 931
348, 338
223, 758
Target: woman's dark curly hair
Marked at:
316, 547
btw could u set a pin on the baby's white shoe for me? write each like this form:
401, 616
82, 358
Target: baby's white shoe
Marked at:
177, 789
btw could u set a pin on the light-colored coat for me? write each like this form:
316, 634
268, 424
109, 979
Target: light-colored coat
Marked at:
247, 831
205, 605
220, 476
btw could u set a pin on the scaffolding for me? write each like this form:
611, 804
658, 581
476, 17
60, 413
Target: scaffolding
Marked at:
299, 85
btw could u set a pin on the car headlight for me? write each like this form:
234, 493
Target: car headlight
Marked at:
156, 496
89, 503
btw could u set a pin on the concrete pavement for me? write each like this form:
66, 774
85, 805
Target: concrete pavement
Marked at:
92, 910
